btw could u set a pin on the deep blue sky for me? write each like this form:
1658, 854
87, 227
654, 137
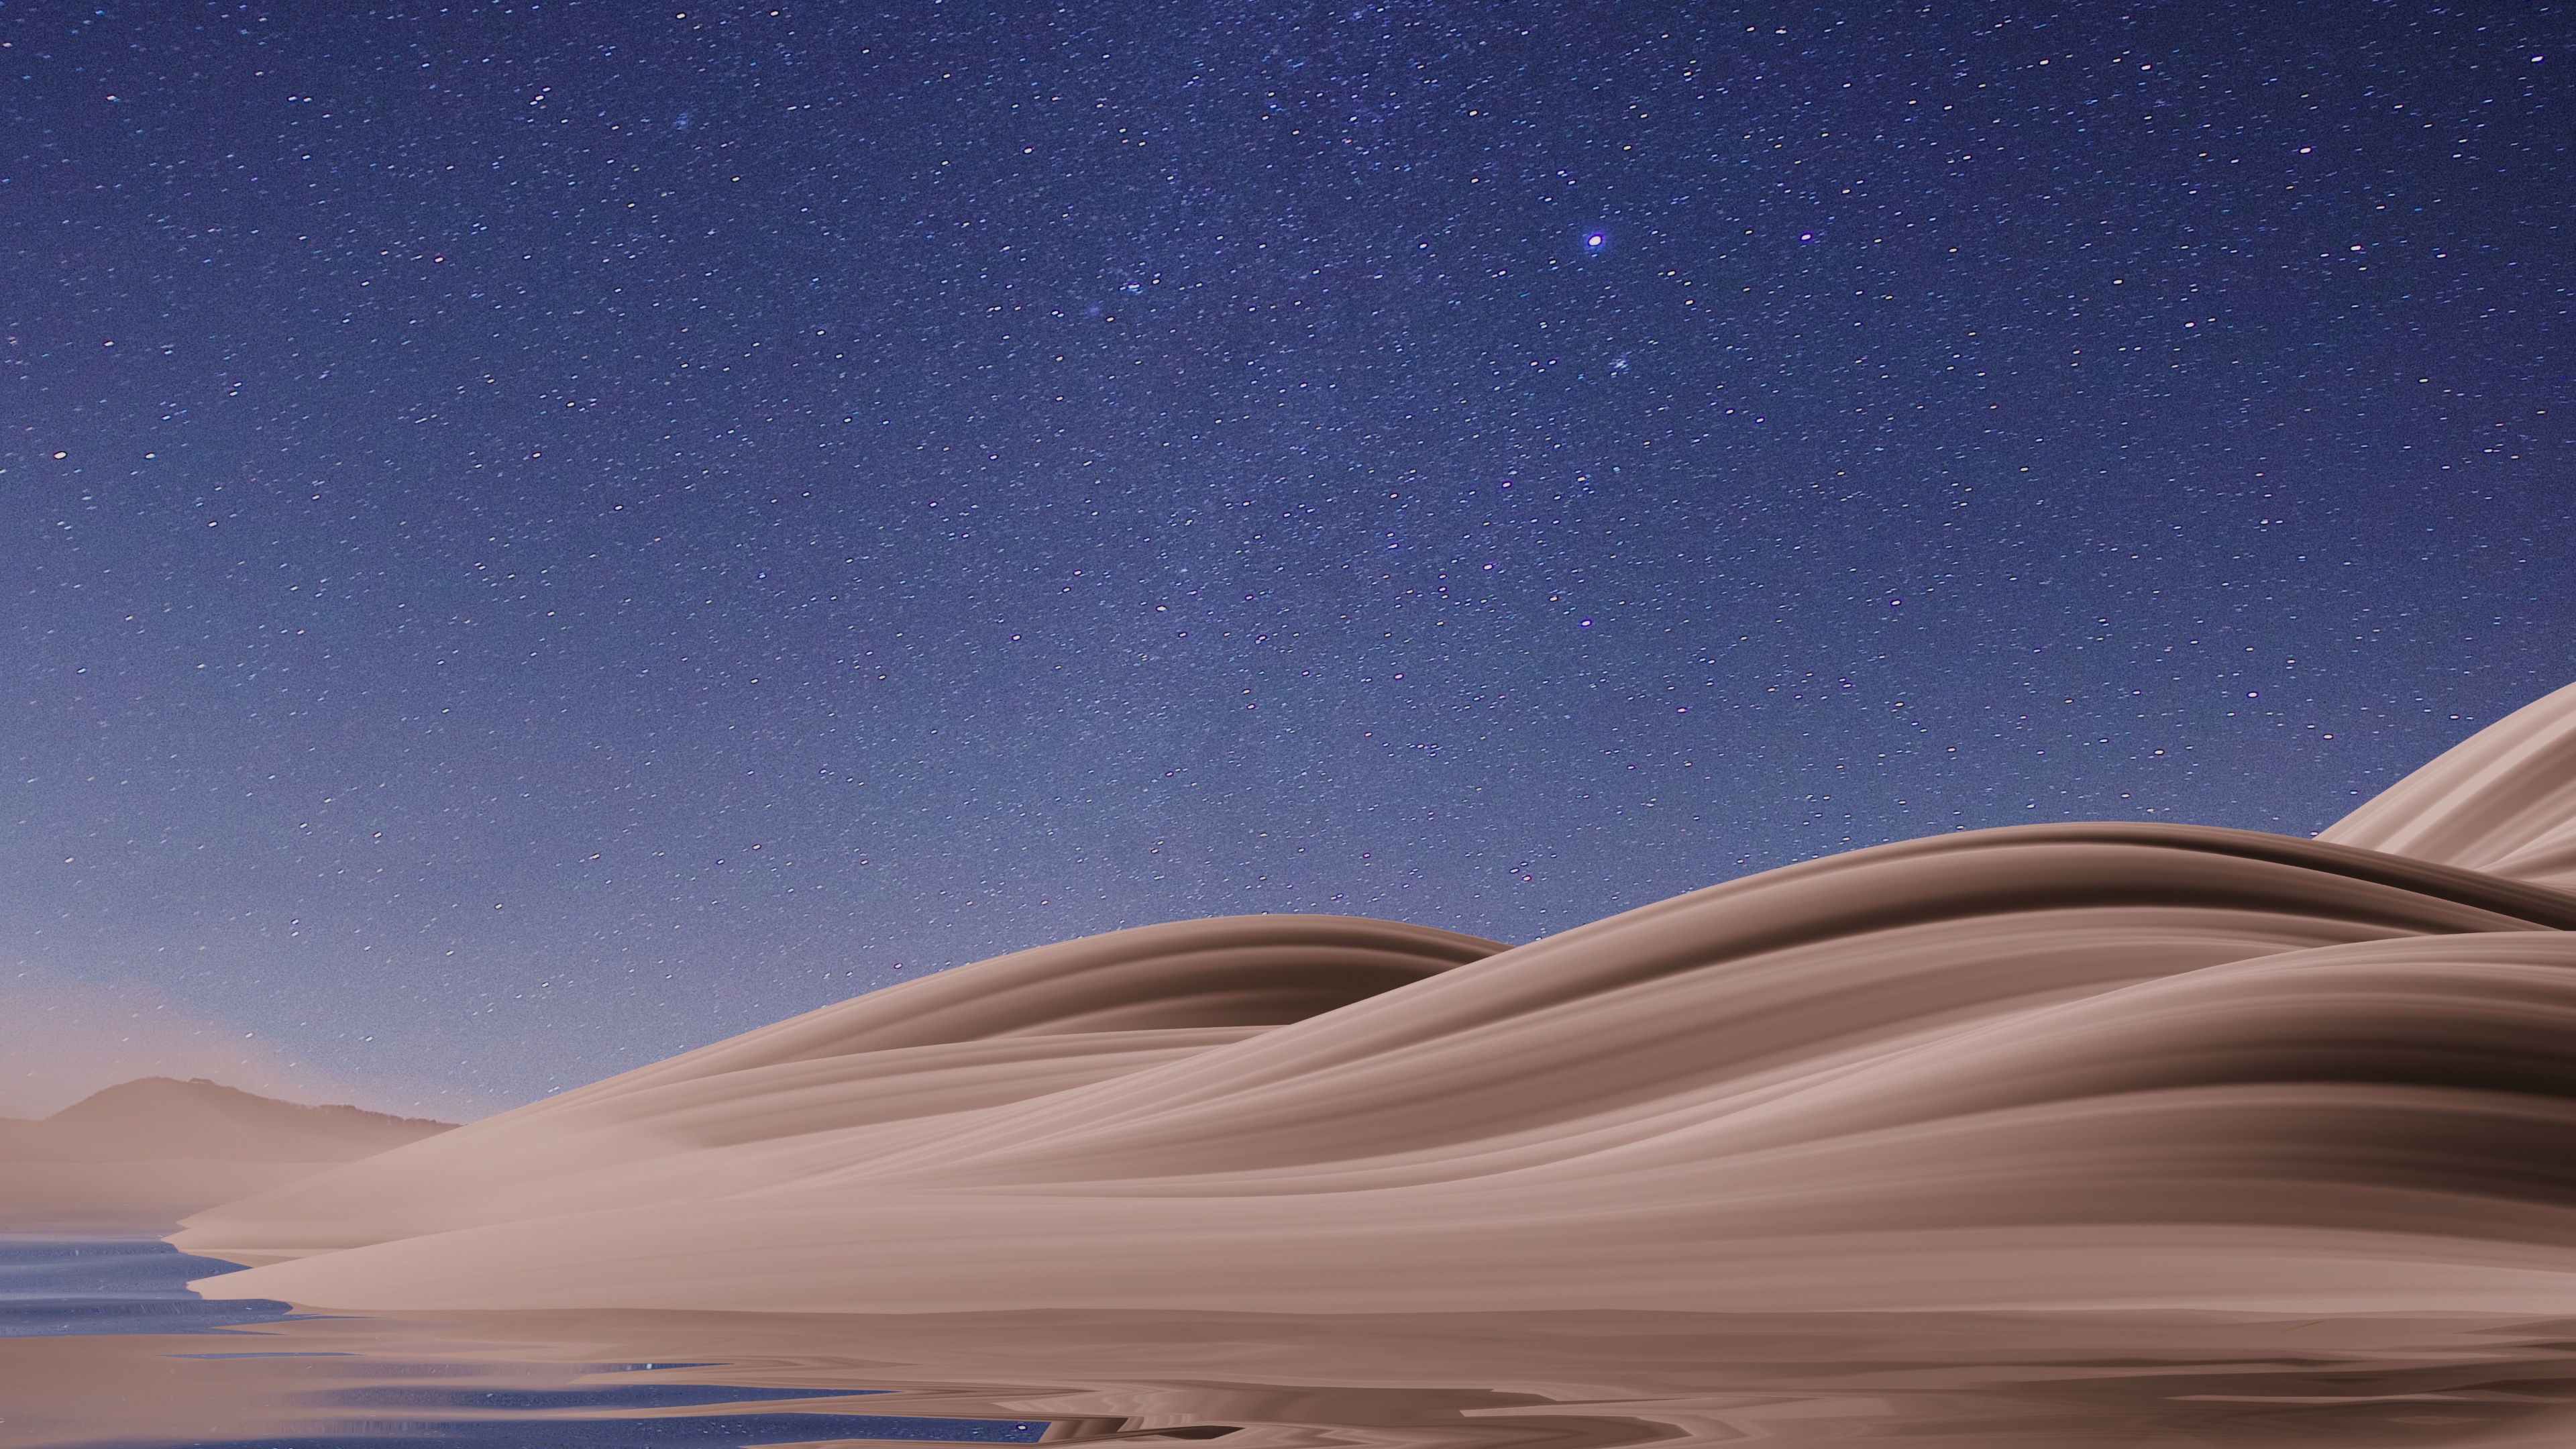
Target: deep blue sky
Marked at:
541, 535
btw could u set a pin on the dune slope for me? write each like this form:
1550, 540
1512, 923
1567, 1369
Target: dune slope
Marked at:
2094, 1065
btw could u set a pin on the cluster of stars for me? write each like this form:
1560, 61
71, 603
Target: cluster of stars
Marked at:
640, 523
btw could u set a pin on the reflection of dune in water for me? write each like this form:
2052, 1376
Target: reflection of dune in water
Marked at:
1590, 1380
2071, 1067
1551, 1380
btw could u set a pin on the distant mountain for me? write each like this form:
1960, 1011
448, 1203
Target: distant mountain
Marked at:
159, 1117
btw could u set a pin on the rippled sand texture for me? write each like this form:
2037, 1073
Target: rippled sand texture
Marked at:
2065, 1068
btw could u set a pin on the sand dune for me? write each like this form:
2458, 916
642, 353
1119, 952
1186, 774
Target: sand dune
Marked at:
2068, 1066
147, 1152
2503, 801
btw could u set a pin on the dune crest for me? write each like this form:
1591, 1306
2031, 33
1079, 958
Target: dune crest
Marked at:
2502, 801
2048, 1067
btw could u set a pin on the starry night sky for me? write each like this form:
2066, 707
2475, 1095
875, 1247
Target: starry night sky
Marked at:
538, 536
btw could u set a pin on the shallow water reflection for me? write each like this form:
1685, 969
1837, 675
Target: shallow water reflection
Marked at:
101, 1344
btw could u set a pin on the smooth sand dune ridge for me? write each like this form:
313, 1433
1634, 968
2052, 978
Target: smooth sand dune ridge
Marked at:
2502, 801
809, 1095
2107, 1065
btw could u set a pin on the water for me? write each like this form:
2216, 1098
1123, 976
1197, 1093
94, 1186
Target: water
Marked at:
102, 1344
